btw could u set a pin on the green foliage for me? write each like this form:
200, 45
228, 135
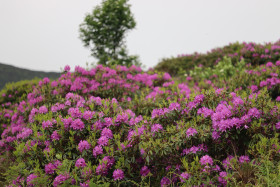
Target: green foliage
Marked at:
224, 69
251, 53
104, 31
15, 92
185, 63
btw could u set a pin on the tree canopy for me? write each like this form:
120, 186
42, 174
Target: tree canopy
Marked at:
104, 30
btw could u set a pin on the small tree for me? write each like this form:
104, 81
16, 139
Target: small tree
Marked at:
104, 30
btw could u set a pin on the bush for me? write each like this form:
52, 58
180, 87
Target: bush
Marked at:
127, 127
255, 54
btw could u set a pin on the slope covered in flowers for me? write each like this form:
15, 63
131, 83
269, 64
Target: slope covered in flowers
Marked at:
123, 126
251, 52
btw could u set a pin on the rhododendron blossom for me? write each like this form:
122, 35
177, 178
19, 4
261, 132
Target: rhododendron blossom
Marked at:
184, 176
156, 128
60, 179
83, 145
118, 174
191, 132
80, 163
30, 179
144, 171
97, 150
77, 124
206, 160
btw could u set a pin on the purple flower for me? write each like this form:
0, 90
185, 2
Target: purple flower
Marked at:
43, 110
67, 103
109, 161
67, 68
278, 98
107, 133
263, 83
77, 124
191, 105
198, 99
47, 124
269, 64
277, 126
101, 169
221, 178
108, 121
205, 111
83, 145
142, 151
254, 88
226, 162
215, 135
118, 174
156, 128
217, 168
57, 163
97, 150
243, 159
194, 149
191, 132
85, 184
54, 84
166, 76
219, 91
254, 112
18, 181
29, 180
88, 115
184, 176
67, 122
103, 140
75, 112
60, 179
122, 118
206, 160
237, 101
46, 80
157, 113
26, 132
174, 106
80, 163
55, 136
50, 168
165, 182
144, 171
96, 100
245, 119
73, 181
114, 100
166, 84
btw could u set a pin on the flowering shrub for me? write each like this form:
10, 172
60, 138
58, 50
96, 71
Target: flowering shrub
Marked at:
253, 53
123, 126
223, 69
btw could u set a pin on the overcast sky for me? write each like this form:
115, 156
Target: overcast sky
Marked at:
43, 34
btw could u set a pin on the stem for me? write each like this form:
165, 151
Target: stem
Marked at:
233, 148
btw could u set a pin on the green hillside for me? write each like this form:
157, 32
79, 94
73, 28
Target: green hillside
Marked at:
253, 53
10, 73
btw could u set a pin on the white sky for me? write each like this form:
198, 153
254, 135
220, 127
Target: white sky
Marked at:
43, 34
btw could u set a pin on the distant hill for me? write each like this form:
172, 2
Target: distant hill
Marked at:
10, 73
